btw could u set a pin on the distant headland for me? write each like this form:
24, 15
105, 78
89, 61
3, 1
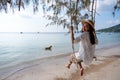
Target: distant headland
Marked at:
115, 28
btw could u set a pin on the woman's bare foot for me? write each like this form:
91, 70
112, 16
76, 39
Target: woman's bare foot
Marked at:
81, 71
68, 66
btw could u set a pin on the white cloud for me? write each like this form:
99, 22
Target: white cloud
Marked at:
23, 21
113, 22
105, 5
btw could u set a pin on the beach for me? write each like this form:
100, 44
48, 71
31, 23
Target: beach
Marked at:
107, 67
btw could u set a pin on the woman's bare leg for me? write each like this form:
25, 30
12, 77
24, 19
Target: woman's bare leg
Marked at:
81, 68
68, 65
70, 61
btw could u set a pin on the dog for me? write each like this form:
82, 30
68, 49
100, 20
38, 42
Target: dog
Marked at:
48, 48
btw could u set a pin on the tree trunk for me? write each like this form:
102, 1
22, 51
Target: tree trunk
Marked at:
92, 14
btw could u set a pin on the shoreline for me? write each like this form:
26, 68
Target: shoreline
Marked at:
55, 62
55, 56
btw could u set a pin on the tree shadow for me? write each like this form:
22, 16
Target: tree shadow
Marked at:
116, 56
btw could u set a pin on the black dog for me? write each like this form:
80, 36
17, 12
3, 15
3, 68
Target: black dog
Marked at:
48, 48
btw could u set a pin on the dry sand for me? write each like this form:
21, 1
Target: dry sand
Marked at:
107, 67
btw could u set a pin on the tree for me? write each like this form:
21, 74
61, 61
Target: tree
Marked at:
65, 12
13, 4
116, 7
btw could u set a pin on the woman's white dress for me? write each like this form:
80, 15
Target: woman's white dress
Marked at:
86, 49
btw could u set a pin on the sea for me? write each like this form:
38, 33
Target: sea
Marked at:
17, 48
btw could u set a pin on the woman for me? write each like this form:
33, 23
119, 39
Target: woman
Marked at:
87, 41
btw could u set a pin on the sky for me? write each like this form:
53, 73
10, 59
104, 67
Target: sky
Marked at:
27, 21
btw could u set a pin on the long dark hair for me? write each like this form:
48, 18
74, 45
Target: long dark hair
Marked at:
92, 34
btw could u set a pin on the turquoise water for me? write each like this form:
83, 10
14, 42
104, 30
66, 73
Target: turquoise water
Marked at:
17, 48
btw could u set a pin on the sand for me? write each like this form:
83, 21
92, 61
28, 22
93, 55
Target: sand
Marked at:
107, 67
